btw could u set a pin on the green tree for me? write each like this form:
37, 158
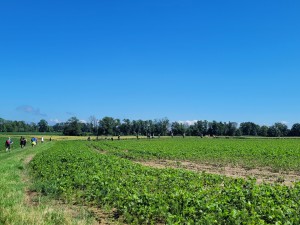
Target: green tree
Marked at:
43, 126
161, 126
199, 128
249, 128
93, 124
107, 126
116, 128
58, 127
215, 128
125, 127
283, 128
138, 127
273, 131
72, 127
263, 131
238, 132
295, 131
33, 127
178, 128
230, 128
2, 125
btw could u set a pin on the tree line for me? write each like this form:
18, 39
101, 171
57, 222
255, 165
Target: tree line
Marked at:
159, 127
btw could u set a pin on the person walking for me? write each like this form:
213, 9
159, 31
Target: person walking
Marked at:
8, 144
33, 142
22, 142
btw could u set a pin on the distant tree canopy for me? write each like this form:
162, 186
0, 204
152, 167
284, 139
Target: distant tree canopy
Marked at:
249, 128
21, 126
72, 127
295, 131
43, 126
158, 127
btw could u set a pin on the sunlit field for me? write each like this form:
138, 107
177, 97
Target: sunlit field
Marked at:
109, 174
150, 181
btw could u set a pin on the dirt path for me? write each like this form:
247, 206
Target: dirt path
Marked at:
28, 159
261, 174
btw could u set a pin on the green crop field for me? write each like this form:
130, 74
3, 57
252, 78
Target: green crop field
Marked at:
278, 154
110, 176
103, 174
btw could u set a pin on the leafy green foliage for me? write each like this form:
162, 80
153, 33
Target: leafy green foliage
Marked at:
72, 127
278, 154
74, 171
43, 126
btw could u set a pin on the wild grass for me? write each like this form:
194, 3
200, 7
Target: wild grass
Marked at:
18, 205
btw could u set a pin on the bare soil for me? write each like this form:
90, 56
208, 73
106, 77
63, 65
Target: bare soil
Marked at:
28, 159
103, 217
262, 175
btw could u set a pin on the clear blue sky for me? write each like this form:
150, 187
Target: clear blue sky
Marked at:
185, 60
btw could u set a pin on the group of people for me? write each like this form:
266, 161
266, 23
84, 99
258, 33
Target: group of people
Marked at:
23, 142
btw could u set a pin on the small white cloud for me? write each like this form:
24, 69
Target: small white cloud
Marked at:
82, 121
285, 122
54, 121
188, 122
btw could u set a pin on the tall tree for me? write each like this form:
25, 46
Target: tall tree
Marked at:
263, 131
273, 131
93, 124
33, 127
161, 126
138, 127
178, 128
58, 127
117, 127
215, 128
125, 127
72, 127
107, 126
295, 131
231, 128
43, 126
283, 128
199, 128
249, 128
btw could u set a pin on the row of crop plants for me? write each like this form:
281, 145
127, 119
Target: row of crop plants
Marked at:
73, 171
278, 154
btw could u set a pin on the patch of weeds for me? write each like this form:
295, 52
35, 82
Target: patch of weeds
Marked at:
280, 180
178, 164
21, 167
275, 170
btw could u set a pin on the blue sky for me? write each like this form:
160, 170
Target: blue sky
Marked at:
185, 60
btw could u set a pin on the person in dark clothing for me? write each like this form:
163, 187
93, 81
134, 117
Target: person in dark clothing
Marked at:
22, 142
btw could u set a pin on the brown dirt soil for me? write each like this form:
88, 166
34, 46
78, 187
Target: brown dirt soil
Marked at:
32, 198
28, 159
262, 175
104, 218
